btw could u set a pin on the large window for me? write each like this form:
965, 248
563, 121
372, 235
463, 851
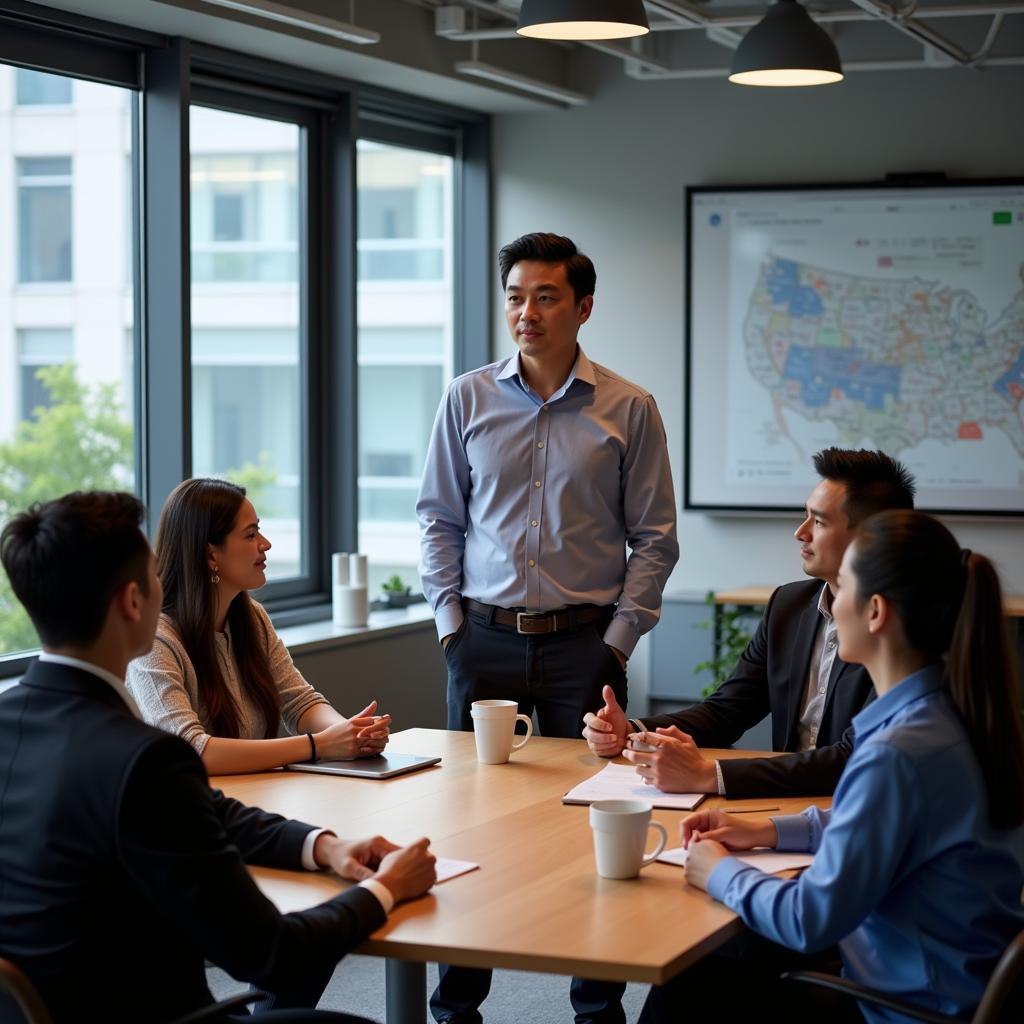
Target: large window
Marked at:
406, 315
44, 216
66, 390
207, 274
247, 410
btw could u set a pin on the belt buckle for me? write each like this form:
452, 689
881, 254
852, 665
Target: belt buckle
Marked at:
532, 617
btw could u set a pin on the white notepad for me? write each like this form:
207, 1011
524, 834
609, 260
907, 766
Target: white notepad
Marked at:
621, 782
447, 867
762, 858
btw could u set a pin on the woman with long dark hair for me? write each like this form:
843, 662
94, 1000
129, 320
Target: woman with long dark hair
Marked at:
219, 675
918, 867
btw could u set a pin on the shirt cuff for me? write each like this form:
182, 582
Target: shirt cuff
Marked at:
621, 636
381, 891
447, 619
308, 861
794, 833
722, 874
720, 777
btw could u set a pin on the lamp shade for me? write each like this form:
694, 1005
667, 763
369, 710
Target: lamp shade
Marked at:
786, 48
582, 19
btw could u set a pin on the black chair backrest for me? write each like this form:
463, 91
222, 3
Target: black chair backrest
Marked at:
1004, 995
19, 1001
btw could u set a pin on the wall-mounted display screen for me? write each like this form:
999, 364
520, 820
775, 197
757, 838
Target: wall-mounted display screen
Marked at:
863, 317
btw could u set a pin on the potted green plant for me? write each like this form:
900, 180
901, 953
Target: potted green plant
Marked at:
396, 592
734, 627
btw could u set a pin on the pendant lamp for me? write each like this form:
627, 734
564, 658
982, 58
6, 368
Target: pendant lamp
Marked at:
582, 19
786, 48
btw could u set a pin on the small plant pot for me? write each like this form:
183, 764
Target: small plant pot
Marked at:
397, 599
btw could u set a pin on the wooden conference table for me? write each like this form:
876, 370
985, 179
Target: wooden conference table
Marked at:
536, 903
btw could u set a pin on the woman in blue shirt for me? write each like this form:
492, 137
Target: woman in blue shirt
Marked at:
919, 865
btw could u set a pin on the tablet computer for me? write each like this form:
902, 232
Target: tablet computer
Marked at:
383, 766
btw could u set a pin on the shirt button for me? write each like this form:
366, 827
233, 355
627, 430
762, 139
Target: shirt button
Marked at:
822, 690
540, 444
533, 522
536, 483
532, 562
831, 644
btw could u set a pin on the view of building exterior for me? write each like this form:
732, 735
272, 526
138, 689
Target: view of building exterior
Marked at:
66, 297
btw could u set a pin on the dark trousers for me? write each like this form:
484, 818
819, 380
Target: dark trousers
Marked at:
740, 983
559, 676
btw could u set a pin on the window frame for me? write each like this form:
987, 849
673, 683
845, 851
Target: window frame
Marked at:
168, 74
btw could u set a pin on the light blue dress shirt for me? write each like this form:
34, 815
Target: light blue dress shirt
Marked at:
909, 877
530, 504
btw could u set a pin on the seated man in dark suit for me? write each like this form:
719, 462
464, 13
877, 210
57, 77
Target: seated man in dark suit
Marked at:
120, 869
790, 669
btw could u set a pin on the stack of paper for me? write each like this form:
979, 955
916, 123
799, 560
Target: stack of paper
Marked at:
621, 782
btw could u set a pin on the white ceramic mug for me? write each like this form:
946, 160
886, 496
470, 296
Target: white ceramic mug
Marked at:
620, 836
494, 725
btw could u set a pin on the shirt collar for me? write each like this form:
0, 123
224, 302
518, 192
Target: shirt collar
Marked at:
582, 370
825, 603
881, 711
117, 685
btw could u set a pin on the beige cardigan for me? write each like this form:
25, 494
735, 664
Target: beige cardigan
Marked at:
166, 689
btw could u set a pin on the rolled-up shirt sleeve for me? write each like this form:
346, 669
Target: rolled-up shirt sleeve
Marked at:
441, 511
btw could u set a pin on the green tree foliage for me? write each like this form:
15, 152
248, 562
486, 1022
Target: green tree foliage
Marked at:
257, 479
80, 442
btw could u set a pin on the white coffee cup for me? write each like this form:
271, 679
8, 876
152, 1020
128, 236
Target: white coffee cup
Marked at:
620, 836
494, 725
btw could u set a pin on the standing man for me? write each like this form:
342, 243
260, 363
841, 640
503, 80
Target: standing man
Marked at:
791, 669
542, 468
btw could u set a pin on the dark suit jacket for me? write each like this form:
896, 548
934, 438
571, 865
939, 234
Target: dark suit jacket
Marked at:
771, 678
120, 869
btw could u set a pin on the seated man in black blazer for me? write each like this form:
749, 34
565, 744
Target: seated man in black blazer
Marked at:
120, 869
790, 668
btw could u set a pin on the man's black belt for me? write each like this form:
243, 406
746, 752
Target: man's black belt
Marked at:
531, 623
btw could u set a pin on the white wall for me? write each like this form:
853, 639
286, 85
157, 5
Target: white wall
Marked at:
612, 176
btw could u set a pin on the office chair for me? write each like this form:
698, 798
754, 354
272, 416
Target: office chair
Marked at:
15, 984
1003, 993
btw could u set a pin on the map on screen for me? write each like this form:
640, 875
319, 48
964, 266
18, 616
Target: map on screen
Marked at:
871, 317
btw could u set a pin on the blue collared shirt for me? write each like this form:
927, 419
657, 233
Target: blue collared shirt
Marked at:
530, 504
909, 877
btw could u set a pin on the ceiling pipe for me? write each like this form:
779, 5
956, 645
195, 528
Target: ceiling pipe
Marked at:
682, 17
680, 24
863, 65
909, 27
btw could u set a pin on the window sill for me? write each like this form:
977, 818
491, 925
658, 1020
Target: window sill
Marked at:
324, 635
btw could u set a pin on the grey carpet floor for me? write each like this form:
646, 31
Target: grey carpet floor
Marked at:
516, 997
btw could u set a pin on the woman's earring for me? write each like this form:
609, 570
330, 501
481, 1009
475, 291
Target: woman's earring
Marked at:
214, 578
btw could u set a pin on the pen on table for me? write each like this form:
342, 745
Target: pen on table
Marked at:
748, 810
